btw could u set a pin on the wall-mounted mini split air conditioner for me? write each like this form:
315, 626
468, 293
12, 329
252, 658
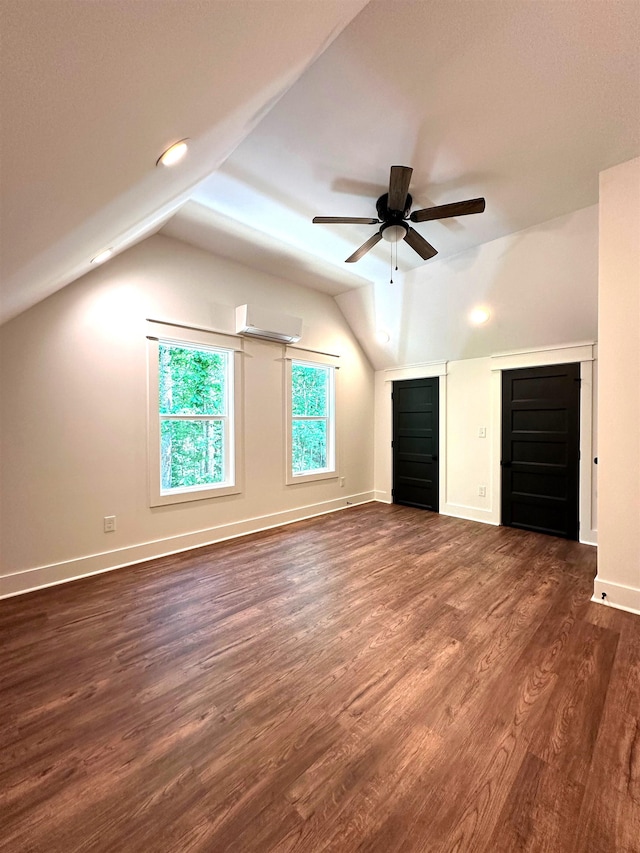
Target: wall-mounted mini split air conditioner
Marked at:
260, 322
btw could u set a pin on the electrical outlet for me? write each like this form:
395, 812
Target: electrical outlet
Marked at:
342, 479
109, 523
482, 432
482, 491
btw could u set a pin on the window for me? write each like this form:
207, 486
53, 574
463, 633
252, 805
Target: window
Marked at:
192, 436
311, 429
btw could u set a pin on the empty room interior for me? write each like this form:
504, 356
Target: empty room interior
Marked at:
319, 426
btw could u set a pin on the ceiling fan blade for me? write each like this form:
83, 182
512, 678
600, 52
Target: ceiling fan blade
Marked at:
444, 211
364, 248
420, 245
399, 180
354, 220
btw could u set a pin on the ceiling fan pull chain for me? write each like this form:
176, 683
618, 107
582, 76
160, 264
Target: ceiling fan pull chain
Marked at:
391, 263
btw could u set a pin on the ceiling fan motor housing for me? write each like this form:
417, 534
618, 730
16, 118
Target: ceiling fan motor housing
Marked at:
386, 215
394, 227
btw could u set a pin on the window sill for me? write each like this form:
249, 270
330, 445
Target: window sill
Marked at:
196, 494
311, 477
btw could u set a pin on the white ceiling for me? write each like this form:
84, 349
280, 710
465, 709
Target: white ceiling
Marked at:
521, 101
91, 93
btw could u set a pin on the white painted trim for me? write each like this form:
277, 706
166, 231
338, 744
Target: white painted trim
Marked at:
442, 424
295, 353
470, 513
416, 371
619, 596
584, 353
382, 496
587, 534
234, 432
563, 354
332, 472
93, 564
165, 329
496, 447
442, 441
537, 350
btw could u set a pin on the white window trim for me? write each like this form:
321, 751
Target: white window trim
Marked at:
234, 483
331, 472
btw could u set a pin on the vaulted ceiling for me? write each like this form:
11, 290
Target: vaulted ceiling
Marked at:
291, 115
91, 93
522, 102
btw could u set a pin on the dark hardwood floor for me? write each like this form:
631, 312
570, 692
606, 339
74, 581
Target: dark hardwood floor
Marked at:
380, 679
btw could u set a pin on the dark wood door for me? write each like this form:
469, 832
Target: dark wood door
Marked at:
415, 443
541, 449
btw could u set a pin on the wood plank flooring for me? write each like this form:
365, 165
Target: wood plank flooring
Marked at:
380, 679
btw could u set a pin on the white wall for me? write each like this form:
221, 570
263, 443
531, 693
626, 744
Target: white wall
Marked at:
465, 459
73, 440
469, 461
470, 399
541, 285
73, 430
619, 387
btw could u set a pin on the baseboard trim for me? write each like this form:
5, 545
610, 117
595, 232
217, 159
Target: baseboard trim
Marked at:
469, 513
42, 577
619, 596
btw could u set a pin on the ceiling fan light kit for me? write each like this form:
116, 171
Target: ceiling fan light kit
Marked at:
394, 214
394, 233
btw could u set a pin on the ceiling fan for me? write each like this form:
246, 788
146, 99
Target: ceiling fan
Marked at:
394, 214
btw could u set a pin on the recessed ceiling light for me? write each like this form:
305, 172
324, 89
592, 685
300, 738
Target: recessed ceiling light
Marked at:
102, 257
382, 337
479, 316
173, 154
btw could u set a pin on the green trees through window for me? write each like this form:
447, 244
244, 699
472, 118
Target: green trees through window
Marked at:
312, 418
193, 392
192, 451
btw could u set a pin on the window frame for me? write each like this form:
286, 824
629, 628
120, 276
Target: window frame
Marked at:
331, 471
232, 484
